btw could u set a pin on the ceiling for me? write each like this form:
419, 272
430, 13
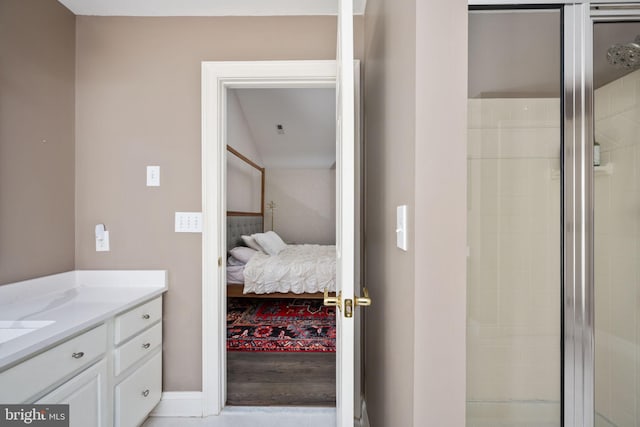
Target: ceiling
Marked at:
517, 54
308, 120
207, 7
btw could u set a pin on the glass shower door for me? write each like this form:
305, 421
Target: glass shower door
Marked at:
616, 200
514, 219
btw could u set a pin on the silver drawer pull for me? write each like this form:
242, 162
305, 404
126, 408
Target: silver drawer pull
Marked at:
145, 393
146, 317
77, 355
146, 345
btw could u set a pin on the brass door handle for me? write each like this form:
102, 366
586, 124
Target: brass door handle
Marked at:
363, 301
333, 301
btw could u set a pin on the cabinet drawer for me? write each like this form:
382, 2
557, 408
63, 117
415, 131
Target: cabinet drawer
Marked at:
139, 393
137, 319
137, 348
42, 371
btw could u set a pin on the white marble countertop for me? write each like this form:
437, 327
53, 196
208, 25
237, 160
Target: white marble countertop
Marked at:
71, 302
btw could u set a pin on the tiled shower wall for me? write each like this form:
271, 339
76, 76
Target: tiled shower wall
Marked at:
513, 339
617, 254
514, 251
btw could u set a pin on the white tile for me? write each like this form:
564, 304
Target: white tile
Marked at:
622, 97
474, 113
602, 102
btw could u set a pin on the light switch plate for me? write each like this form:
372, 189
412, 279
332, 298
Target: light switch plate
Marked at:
153, 176
188, 222
401, 227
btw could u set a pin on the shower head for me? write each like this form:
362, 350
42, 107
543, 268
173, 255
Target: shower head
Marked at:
625, 55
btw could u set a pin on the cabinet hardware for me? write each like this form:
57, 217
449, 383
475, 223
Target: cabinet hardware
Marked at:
146, 317
77, 355
146, 345
145, 393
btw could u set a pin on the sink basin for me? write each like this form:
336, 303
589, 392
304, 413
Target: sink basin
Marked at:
10, 329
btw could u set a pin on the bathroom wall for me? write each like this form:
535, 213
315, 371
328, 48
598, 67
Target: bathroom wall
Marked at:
617, 252
37, 77
513, 260
415, 154
305, 205
138, 100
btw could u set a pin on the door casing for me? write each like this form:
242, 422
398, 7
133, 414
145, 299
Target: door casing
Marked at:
217, 77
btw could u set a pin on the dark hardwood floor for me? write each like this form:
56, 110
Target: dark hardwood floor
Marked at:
281, 379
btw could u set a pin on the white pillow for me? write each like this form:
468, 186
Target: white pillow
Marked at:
242, 253
277, 238
251, 242
270, 242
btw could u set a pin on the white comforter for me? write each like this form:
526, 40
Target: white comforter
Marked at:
297, 269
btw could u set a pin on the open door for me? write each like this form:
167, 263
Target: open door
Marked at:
347, 167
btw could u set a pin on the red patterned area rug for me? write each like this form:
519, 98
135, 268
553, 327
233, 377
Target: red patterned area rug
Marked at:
274, 325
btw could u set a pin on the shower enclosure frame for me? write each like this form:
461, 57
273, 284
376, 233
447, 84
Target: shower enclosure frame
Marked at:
577, 189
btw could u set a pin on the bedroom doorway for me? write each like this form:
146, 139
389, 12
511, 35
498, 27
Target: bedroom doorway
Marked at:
219, 79
280, 178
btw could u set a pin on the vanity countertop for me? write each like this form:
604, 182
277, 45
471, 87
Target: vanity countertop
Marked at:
56, 307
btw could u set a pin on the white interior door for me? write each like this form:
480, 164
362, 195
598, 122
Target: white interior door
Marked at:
345, 216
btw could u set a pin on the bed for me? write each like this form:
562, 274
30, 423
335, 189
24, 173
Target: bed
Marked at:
297, 271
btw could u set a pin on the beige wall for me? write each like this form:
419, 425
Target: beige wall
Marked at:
37, 63
389, 91
415, 144
441, 215
138, 103
238, 132
305, 204
244, 182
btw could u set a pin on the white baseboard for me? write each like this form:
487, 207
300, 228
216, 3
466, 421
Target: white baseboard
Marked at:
189, 404
179, 404
364, 421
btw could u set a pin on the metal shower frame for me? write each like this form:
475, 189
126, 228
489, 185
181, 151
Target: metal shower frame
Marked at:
578, 348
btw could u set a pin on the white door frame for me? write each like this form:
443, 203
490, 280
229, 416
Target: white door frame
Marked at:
217, 77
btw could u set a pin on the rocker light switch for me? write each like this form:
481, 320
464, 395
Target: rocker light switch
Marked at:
153, 176
401, 227
188, 222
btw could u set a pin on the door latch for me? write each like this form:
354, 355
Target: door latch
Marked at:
364, 301
348, 303
333, 301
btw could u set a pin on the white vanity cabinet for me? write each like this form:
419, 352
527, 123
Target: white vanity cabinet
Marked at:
108, 369
34, 375
86, 394
138, 363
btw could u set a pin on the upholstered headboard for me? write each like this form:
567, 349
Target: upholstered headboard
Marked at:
238, 226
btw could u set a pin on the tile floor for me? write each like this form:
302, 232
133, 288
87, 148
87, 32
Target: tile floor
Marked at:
251, 417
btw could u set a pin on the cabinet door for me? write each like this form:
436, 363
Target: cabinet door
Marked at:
86, 394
